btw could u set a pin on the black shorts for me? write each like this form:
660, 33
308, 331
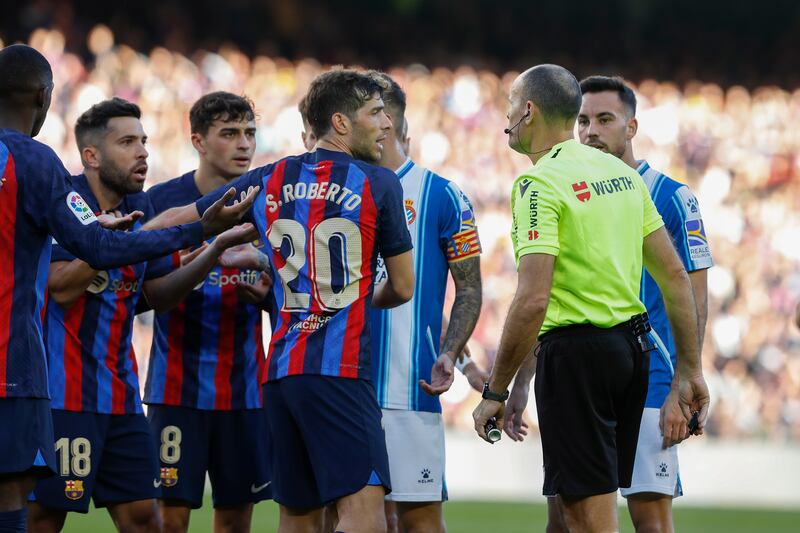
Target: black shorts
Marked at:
591, 385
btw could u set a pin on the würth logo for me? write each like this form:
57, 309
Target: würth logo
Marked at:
581, 191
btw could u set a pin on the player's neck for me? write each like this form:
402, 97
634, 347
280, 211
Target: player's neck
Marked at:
393, 155
107, 198
12, 120
207, 179
629, 159
542, 143
334, 144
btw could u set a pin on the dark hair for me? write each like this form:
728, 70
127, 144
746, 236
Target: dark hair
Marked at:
395, 99
219, 105
303, 108
338, 91
94, 120
554, 90
600, 84
24, 70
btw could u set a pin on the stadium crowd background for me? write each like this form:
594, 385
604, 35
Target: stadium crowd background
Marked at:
736, 147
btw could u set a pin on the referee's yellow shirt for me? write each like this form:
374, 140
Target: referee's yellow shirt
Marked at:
591, 211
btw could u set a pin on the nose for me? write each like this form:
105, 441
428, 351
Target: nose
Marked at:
143, 153
244, 142
387, 122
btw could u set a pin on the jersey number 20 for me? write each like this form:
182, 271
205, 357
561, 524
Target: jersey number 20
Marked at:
334, 242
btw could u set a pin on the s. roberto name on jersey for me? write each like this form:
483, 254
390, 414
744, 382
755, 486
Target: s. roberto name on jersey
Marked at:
331, 192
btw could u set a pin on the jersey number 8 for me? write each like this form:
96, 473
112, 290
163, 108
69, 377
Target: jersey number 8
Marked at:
334, 248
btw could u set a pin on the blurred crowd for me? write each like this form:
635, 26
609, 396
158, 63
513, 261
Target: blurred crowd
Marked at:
739, 151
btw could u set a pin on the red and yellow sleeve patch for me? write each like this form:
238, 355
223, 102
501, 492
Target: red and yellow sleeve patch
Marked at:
463, 245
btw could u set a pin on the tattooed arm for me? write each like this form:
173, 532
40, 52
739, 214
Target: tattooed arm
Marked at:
463, 317
466, 307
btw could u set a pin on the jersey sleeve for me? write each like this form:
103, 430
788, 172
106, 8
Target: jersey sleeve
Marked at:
68, 218
458, 232
651, 219
241, 184
685, 225
536, 212
158, 267
393, 236
59, 253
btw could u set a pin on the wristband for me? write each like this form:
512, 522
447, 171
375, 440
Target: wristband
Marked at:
489, 395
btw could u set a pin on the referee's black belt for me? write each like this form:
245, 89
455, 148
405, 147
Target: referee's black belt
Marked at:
638, 326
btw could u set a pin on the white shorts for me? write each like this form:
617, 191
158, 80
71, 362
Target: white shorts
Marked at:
415, 444
655, 469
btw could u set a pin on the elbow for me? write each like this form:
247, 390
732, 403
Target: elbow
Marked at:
62, 297
405, 291
534, 306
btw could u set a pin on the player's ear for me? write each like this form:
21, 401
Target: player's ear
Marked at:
199, 143
341, 123
90, 157
633, 127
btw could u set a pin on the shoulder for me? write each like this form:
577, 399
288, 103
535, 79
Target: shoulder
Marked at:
30, 153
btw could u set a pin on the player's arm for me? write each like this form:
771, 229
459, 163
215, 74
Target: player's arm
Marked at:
515, 426
242, 187
662, 262
525, 317
165, 292
394, 245
68, 280
699, 282
466, 305
399, 285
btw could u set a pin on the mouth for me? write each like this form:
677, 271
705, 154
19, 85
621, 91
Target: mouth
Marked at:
241, 161
379, 141
598, 145
140, 172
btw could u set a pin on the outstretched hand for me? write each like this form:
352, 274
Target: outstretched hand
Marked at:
116, 221
442, 375
219, 217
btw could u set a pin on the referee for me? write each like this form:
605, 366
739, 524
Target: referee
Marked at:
583, 223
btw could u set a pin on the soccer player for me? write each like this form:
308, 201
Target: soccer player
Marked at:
607, 121
410, 369
327, 215
594, 214
202, 383
102, 438
307, 135
37, 199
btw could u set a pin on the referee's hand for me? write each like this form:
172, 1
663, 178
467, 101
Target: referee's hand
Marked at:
486, 410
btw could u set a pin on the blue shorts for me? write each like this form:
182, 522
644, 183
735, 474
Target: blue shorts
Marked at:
108, 457
327, 440
230, 445
26, 437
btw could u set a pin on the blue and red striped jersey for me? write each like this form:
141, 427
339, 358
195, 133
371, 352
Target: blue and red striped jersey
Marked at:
37, 199
91, 364
326, 217
207, 353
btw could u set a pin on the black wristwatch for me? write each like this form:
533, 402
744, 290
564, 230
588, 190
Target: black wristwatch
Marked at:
489, 395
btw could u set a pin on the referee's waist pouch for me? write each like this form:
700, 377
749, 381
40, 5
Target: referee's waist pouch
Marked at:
638, 326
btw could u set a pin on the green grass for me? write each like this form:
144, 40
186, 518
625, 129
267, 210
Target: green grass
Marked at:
483, 517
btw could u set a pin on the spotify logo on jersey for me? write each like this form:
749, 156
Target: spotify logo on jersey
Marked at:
102, 282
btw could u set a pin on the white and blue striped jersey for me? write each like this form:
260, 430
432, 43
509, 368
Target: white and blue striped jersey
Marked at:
405, 339
681, 213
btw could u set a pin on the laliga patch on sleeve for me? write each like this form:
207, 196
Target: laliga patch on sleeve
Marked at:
80, 208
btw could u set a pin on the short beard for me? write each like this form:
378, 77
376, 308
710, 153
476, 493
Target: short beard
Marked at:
116, 179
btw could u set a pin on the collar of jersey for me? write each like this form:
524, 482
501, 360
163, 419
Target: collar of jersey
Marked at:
642, 166
546, 156
404, 168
